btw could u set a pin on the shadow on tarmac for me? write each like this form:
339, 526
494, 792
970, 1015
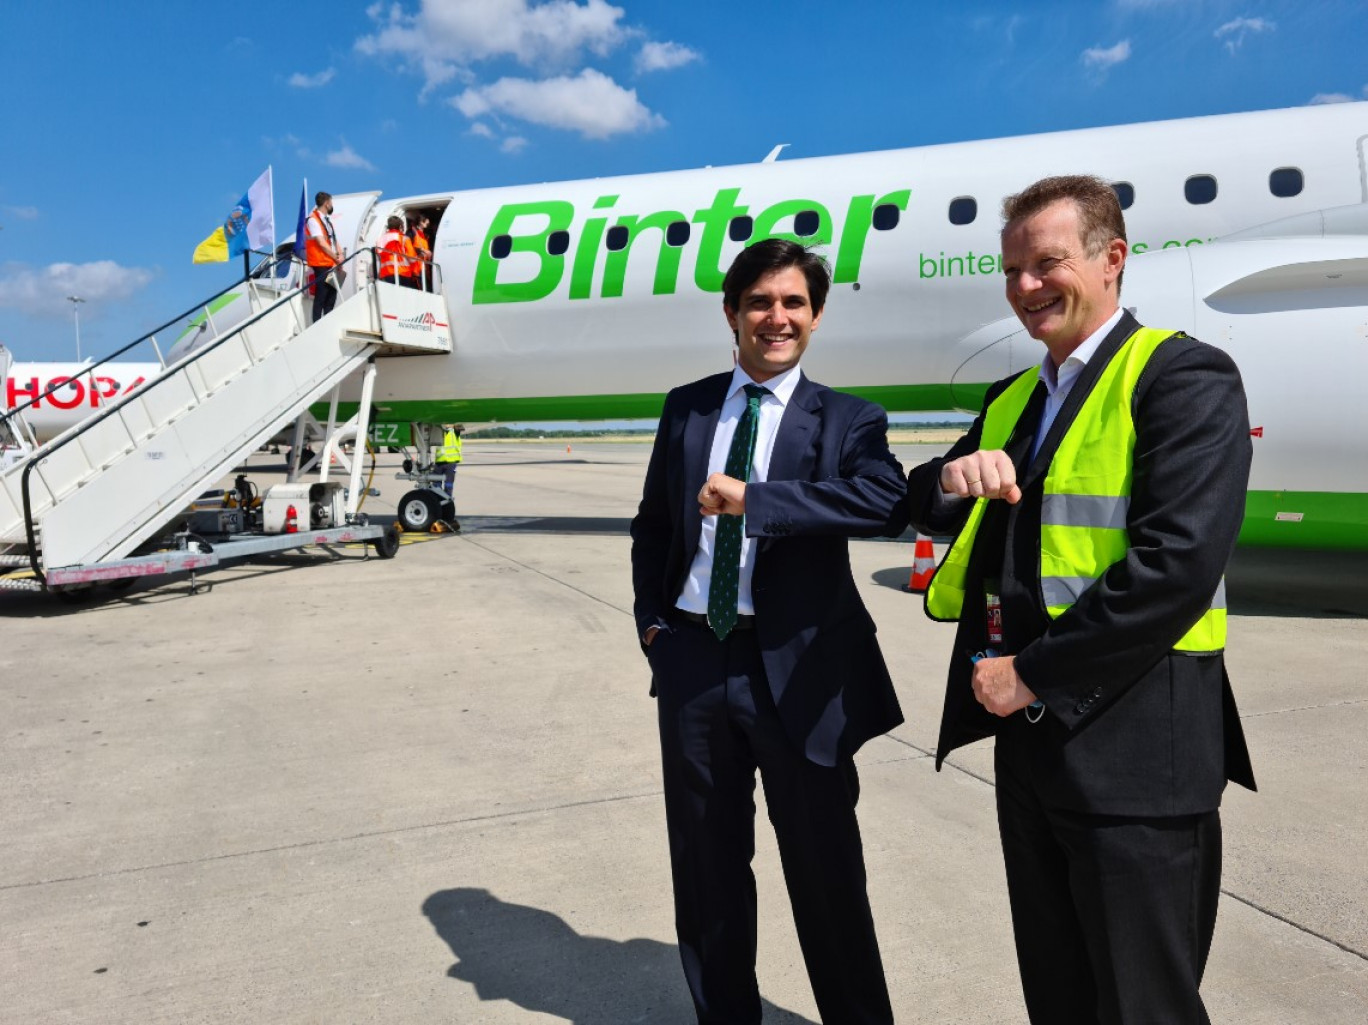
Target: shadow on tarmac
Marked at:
536, 960
606, 525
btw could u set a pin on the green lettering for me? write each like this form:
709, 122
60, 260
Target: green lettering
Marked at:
1139, 247
988, 264
924, 263
708, 273
859, 218
488, 288
586, 254
767, 219
667, 262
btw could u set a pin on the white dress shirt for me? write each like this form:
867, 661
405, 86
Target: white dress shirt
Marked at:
1059, 381
694, 597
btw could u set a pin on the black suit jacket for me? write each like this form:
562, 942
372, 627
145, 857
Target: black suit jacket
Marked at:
1132, 728
831, 476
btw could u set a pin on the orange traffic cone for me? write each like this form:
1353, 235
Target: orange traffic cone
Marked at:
923, 565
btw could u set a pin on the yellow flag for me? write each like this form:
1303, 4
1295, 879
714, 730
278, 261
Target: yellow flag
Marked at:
214, 249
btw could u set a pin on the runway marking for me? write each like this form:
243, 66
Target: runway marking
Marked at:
1224, 892
304, 844
1305, 708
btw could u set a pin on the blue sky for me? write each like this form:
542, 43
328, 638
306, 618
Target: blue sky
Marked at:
129, 130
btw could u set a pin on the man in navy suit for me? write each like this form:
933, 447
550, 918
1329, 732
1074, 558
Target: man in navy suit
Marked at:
762, 654
1096, 501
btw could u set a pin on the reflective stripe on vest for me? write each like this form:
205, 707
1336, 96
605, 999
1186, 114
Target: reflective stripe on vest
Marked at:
1086, 496
450, 452
313, 249
390, 254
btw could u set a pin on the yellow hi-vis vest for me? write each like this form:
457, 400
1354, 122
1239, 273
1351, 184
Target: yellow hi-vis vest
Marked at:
450, 452
1087, 496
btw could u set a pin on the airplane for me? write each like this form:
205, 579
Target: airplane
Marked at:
588, 300
61, 395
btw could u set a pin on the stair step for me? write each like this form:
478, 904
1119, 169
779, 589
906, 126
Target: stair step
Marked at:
19, 584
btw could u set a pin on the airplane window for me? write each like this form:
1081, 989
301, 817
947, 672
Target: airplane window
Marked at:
806, 223
677, 233
963, 210
1286, 182
557, 243
886, 217
617, 239
741, 228
1125, 194
1199, 189
501, 246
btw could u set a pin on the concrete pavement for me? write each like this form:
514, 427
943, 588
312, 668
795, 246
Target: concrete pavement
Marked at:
426, 790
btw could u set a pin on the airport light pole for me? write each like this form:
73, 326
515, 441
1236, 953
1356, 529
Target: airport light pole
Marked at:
76, 301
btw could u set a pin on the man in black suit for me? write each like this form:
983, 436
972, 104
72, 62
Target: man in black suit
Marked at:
762, 654
1096, 501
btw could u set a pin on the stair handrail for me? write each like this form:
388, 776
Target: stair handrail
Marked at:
90, 368
76, 430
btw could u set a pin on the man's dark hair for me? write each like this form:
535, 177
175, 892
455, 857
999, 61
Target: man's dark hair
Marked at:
321, 197
394, 224
1099, 211
775, 254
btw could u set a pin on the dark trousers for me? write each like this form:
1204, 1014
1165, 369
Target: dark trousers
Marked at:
1113, 916
718, 724
449, 478
325, 295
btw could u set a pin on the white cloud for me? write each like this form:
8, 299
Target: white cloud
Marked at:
444, 37
299, 80
590, 103
348, 158
1340, 97
513, 144
43, 291
1097, 58
664, 57
482, 130
1236, 31
22, 213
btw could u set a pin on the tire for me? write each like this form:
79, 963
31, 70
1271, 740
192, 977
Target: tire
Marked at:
387, 544
418, 509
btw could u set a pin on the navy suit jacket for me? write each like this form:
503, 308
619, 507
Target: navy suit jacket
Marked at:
1132, 727
831, 477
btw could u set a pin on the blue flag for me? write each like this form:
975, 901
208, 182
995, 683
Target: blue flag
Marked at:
301, 229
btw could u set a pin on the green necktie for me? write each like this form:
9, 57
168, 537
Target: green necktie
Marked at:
726, 567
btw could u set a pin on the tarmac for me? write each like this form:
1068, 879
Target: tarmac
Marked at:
330, 788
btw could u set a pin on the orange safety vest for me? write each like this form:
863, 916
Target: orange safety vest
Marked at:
420, 243
391, 256
313, 249
410, 265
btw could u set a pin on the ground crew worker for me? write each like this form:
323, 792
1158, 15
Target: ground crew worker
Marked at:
422, 251
410, 269
390, 252
449, 457
323, 254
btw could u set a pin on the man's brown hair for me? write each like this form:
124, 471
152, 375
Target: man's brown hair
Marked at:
1099, 211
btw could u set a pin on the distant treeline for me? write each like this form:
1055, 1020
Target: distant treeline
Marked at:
534, 433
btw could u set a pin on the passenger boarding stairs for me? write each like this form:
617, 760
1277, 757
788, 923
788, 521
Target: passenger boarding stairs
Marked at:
106, 486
